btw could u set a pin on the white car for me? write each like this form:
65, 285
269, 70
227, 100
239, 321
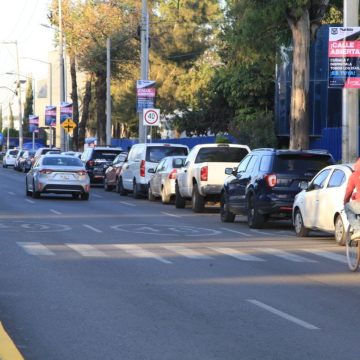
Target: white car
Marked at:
320, 205
9, 158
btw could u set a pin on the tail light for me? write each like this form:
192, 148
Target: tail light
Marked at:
271, 180
142, 168
81, 172
45, 171
204, 173
172, 175
90, 163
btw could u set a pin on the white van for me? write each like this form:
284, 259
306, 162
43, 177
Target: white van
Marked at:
135, 176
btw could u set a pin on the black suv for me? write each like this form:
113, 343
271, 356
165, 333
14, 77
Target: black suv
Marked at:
266, 181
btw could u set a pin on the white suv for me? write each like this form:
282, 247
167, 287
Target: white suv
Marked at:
135, 176
9, 158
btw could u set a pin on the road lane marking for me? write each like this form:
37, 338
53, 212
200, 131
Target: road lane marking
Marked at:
55, 212
327, 255
284, 315
235, 254
287, 256
126, 203
8, 350
260, 232
86, 250
235, 231
189, 253
97, 196
138, 251
36, 248
30, 201
11, 193
169, 214
92, 228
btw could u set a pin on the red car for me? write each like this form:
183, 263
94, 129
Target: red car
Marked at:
111, 179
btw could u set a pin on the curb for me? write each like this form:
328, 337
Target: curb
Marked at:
8, 350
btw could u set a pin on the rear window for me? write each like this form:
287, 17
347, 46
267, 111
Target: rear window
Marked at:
221, 154
157, 153
304, 163
105, 155
62, 161
178, 163
13, 152
50, 151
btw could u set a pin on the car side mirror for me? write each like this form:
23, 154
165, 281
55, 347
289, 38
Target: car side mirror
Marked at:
151, 171
304, 185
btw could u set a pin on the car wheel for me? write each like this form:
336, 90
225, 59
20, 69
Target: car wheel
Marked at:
107, 187
340, 232
151, 196
75, 196
165, 198
136, 193
300, 229
255, 220
28, 193
197, 200
85, 196
117, 188
225, 214
35, 194
179, 200
122, 191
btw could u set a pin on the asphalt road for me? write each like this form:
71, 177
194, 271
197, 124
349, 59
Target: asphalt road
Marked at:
116, 278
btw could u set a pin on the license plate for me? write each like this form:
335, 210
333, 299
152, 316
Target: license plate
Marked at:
65, 177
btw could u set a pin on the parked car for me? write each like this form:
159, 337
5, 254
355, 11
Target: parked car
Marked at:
112, 172
9, 158
17, 159
319, 206
26, 160
265, 183
72, 153
58, 174
45, 150
162, 184
96, 159
134, 176
202, 177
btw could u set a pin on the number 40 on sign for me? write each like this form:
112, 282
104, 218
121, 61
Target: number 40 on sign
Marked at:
151, 117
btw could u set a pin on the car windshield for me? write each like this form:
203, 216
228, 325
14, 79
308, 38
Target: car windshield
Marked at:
157, 153
301, 163
221, 154
13, 152
62, 161
105, 155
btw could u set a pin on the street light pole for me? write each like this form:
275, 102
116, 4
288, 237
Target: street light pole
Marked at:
61, 63
108, 94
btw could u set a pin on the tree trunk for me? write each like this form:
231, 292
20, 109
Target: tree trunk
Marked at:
84, 115
299, 113
100, 93
75, 101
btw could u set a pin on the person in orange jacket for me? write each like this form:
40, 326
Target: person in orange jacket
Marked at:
352, 208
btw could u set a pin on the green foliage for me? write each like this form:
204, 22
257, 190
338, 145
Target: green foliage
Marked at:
28, 108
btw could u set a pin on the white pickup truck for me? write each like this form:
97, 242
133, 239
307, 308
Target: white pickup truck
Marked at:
202, 177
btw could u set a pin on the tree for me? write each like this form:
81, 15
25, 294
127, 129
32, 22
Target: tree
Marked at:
11, 117
28, 108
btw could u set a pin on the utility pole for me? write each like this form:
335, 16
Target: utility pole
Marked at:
61, 82
108, 95
350, 99
144, 61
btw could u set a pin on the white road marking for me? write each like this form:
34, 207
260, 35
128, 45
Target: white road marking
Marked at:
236, 254
327, 255
138, 251
30, 201
97, 196
86, 250
11, 193
169, 214
126, 203
92, 228
284, 315
260, 232
235, 231
189, 253
55, 212
35, 248
287, 256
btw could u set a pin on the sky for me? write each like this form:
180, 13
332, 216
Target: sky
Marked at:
20, 21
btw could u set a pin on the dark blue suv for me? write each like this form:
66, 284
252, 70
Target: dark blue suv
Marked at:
266, 181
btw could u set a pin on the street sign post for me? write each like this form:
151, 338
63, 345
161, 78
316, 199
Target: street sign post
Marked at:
151, 117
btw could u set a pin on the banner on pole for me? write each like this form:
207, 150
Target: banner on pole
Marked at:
33, 123
50, 115
145, 94
66, 111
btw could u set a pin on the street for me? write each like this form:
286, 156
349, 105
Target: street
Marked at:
116, 278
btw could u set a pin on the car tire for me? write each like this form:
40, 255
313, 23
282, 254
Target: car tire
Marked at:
197, 200
340, 232
225, 214
300, 229
107, 187
151, 196
122, 191
85, 196
75, 196
179, 200
136, 193
117, 188
27, 192
255, 219
35, 194
165, 198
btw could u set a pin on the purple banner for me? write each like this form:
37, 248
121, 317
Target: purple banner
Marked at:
66, 111
50, 115
33, 123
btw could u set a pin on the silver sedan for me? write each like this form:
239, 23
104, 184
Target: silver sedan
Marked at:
58, 174
162, 183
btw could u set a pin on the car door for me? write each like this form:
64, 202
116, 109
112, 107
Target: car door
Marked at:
131, 167
156, 179
111, 172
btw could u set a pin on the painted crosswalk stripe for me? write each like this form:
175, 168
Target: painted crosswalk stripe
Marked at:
138, 251
189, 253
235, 231
36, 248
235, 254
327, 255
287, 256
86, 250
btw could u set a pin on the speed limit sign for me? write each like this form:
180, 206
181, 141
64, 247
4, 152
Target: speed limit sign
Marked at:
151, 117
